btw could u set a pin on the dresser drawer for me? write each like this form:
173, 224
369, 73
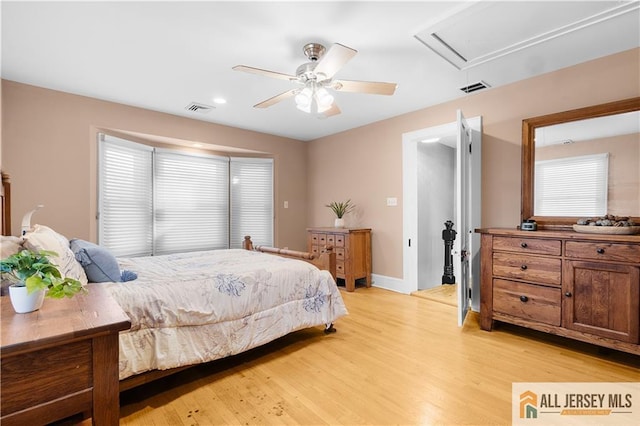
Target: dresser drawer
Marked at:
528, 245
603, 251
528, 301
339, 254
339, 240
538, 269
339, 268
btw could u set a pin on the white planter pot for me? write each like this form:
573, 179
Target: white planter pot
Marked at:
23, 302
339, 223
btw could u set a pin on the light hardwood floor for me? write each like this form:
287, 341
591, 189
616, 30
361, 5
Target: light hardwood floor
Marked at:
396, 359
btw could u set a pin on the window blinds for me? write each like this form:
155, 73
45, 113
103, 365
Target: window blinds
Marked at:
251, 201
125, 199
574, 184
191, 202
160, 201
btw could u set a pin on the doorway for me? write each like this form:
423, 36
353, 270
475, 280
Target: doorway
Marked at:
429, 199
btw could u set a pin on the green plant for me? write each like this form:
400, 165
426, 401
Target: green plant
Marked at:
35, 271
340, 208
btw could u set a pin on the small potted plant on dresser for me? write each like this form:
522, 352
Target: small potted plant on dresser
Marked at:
34, 277
340, 208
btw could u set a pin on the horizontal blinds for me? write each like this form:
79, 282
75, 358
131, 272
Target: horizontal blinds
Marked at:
192, 202
125, 197
575, 184
251, 200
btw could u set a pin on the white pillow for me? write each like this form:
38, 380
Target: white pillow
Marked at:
42, 237
9, 245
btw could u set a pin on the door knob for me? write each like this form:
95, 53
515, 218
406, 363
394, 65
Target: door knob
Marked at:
524, 298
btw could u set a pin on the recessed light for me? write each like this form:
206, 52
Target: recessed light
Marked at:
219, 101
197, 145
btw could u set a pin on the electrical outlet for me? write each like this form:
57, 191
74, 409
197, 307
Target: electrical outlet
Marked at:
286, 204
392, 201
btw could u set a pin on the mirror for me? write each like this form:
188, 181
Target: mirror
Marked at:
598, 136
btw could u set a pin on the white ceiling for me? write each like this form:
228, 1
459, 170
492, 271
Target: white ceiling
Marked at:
164, 55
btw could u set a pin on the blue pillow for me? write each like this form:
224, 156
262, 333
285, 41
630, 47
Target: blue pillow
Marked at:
98, 263
128, 276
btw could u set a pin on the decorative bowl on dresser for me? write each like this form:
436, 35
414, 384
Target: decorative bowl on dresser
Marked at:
581, 286
353, 251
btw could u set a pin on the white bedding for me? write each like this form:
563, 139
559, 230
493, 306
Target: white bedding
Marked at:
190, 308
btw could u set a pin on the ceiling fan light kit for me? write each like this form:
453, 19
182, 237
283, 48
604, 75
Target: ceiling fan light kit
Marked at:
316, 76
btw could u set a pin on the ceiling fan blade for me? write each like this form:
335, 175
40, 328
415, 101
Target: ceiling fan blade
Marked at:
277, 98
266, 73
334, 59
334, 110
371, 87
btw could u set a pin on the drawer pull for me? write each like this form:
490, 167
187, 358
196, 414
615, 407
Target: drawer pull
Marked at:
600, 250
523, 267
524, 298
568, 294
523, 245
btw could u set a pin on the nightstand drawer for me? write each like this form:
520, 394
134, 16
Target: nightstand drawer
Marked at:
339, 240
538, 269
331, 240
339, 268
339, 253
528, 301
603, 251
41, 376
528, 245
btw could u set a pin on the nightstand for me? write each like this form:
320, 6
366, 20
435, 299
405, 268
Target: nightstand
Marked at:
353, 251
62, 360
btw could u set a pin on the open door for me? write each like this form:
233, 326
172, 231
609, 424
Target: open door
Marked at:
462, 246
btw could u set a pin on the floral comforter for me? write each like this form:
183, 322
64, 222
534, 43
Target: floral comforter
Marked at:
189, 308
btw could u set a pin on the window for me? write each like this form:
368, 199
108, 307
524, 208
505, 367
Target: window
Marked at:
251, 200
576, 182
160, 201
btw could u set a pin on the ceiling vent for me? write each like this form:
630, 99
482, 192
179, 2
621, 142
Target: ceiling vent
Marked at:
475, 87
201, 108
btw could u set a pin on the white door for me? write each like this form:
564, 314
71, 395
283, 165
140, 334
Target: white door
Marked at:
462, 244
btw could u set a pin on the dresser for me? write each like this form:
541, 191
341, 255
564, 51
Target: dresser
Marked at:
353, 251
62, 360
581, 286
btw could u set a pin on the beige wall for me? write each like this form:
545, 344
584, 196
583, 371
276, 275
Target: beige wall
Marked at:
49, 150
365, 164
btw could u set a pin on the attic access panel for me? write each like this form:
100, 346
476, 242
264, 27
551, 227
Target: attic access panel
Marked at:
479, 32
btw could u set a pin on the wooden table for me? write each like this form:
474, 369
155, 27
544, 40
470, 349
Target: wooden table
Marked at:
61, 360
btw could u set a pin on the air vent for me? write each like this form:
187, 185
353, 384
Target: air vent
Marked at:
201, 108
475, 87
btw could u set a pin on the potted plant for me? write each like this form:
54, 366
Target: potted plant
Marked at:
34, 278
340, 208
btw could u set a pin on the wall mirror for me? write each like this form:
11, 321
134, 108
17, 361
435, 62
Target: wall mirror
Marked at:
582, 163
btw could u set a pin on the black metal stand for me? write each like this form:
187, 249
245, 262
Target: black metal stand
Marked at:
448, 235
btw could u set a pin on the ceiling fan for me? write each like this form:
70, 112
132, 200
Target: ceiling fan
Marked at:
316, 76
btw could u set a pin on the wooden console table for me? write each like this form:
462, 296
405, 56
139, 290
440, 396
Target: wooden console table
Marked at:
61, 360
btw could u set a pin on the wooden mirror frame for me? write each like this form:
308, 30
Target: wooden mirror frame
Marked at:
529, 126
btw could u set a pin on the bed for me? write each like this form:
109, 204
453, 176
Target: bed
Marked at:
191, 308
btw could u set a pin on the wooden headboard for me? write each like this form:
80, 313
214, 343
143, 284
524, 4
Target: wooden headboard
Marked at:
5, 194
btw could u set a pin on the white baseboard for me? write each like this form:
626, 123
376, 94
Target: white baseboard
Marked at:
390, 283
